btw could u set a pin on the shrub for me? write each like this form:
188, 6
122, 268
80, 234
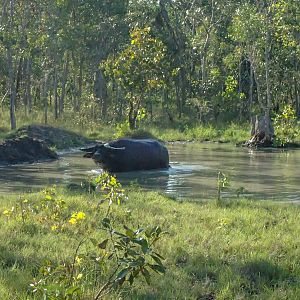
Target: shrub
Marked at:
286, 126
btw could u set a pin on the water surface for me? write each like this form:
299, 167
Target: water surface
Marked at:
271, 174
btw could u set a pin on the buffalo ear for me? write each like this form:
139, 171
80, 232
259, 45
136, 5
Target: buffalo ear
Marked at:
88, 155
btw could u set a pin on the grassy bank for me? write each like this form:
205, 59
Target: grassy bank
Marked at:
179, 131
239, 250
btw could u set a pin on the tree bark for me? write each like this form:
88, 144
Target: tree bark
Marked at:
45, 97
100, 91
12, 107
268, 92
250, 101
63, 85
18, 80
55, 94
260, 136
10, 64
28, 97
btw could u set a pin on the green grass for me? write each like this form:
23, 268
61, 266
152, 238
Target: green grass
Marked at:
101, 131
239, 250
91, 130
180, 130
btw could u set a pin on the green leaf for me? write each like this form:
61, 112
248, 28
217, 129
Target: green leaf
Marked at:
72, 290
143, 243
103, 244
129, 232
131, 279
158, 268
158, 255
157, 259
106, 223
122, 273
146, 275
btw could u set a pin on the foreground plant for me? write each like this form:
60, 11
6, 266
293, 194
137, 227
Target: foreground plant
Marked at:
108, 253
222, 183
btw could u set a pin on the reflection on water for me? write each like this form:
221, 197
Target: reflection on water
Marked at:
271, 174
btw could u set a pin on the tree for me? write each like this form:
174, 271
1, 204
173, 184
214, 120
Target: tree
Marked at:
139, 69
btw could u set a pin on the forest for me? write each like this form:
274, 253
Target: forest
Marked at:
149, 149
124, 61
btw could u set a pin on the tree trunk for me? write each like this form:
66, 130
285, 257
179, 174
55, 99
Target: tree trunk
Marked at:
166, 105
10, 66
44, 89
100, 90
250, 100
296, 97
28, 98
80, 79
178, 99
63, 86
260, 136
18, 80
268, 104
132, 116
13, 124
55, 94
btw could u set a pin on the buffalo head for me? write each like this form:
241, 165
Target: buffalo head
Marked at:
99, 151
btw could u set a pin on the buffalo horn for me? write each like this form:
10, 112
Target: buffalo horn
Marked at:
90, 149
113, 148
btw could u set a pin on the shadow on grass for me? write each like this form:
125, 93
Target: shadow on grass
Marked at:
261, 273
204, 278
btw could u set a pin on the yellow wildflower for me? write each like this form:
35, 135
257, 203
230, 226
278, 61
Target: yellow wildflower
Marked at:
72, 221
6, 213
78, 260
80, 216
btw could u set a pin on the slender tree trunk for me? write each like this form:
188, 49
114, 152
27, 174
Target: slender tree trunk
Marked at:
45, 97
28, 98
10, 66
241, 107
63, 86
119, 101
250, 101
55, 94
100, 90
268, 92
166, 105
178, 100
18, 80
12, 108
296, 97
80, 82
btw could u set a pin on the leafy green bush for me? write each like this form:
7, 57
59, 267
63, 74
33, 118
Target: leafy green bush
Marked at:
286, 126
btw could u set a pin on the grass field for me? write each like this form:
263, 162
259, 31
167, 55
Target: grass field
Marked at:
239, 249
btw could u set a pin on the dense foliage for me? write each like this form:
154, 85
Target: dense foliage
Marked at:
205, 61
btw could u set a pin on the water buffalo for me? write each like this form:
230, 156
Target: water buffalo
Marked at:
126, 155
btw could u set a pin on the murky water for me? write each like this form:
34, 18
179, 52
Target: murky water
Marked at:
271, 174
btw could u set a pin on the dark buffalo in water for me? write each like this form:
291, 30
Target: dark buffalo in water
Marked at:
126, 155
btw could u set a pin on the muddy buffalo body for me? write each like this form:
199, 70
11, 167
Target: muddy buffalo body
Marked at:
125, 155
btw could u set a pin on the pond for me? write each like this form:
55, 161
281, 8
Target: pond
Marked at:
268, 174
